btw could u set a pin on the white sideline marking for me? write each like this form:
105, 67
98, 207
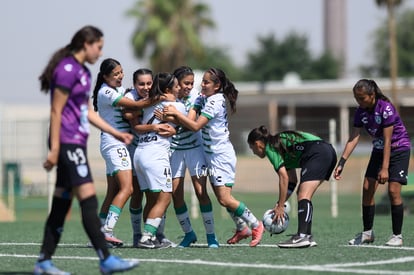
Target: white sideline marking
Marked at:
380, 247
344, 267
128, 245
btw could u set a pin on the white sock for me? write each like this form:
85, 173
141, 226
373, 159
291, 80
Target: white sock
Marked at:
111, 221
239, 222
249, 218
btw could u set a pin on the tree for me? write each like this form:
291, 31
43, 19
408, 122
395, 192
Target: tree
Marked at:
275, 59
168, 32
217, 57
405, 44
393, 45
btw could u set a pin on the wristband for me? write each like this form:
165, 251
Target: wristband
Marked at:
342, 162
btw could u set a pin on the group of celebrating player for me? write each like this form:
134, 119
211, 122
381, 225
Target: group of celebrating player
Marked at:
162, 127
178, 128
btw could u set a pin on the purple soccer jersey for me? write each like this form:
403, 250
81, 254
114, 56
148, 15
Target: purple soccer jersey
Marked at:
384, 115
74, 78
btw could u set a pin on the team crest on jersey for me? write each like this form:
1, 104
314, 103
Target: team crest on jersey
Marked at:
378, 144
82, 170
386, 114
68, 67
124, 162
168, 183
378, 119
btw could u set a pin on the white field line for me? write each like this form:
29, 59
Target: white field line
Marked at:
221, 245
340, 268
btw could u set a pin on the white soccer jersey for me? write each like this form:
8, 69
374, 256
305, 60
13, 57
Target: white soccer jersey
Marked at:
186, 139
216, 133
220, 153
107, 99
114, 152
151, 158
148, 117
133, 94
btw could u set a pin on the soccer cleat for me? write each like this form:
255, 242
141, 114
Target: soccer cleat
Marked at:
240, 235
164, 242
189, 238
151, 242
296, 241
257, 234
212, 241
312, 241
112, 240
114, 264
47, 268
395, 240
365, 237
146, 243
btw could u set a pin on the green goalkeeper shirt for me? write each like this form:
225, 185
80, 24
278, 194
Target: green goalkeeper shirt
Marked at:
295, 144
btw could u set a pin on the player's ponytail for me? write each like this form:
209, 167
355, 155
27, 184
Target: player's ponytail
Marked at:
106, 68
226, 86
87, 34
258, 134
370, 87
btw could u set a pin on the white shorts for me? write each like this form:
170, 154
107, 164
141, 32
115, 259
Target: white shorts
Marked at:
222, 168
152, 165
116, 156
193, 159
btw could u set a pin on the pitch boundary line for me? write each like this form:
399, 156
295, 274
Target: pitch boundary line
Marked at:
379, 247
202, 245
343, 268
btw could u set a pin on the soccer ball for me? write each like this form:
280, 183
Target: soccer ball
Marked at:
276, 227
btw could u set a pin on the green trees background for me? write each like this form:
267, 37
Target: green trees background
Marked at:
170, 33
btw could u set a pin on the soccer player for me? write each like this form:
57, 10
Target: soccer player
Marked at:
287, 151
109, 100
187, 153
389, 159
217, 90
151, 159
142, 82
69, 81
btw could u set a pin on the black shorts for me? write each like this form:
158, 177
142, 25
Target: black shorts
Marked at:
318, 161
73, 167
398, 169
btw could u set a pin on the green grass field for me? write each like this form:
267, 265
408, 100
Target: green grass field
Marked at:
20, 242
